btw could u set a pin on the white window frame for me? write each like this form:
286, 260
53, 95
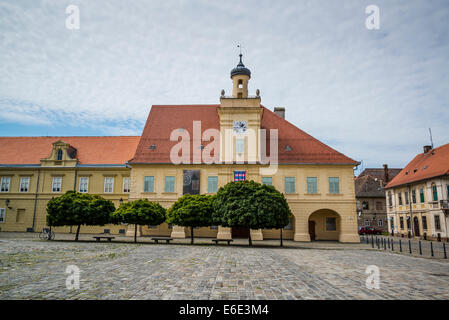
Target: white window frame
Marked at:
240, 145
8, 184
174, 184
106, 184
2, 215
87, 185
209, 180
367, 223
53, 184
380, 223
271, 181
127, 181
27, 184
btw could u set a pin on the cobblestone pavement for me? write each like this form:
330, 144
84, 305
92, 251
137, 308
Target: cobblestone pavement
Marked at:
34, 269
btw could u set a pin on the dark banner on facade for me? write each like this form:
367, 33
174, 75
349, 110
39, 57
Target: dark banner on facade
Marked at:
191, 184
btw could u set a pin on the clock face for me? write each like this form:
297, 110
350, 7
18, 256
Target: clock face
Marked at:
240, 126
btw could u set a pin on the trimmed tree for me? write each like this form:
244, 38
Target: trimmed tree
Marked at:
252, 205
139, 212
192, 211
76, 209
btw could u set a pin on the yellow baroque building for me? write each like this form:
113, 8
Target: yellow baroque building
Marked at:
183, 149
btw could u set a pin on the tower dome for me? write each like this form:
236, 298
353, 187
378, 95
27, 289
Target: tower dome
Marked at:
240, 69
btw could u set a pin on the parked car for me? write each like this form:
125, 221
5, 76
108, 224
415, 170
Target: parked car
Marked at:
369, 230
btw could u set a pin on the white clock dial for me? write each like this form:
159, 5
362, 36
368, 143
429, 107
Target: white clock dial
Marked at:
240, 126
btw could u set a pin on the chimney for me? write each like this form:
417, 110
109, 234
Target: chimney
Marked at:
427, 149
386, 177
280, 112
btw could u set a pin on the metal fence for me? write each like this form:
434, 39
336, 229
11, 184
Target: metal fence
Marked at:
408, 246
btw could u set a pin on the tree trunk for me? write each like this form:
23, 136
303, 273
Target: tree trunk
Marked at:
135, 233
77, 232
191, 235
281, 238
249, 238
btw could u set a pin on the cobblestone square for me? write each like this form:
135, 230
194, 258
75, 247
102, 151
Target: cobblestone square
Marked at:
34, 269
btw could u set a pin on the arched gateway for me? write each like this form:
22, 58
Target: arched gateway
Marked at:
324, 224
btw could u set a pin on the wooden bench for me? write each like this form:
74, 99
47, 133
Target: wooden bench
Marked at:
222, 240
166, 239
103, 237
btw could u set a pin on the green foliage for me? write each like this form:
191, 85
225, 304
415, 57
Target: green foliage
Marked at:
139, 212
74, 208
252, 205
192, 211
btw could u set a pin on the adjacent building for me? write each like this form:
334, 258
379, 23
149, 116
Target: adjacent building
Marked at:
370, 196
417, 198
192, 149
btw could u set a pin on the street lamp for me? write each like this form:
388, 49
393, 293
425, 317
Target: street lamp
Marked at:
121, 201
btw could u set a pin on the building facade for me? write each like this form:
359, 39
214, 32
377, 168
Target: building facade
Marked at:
370, 196
418, 197
196, 149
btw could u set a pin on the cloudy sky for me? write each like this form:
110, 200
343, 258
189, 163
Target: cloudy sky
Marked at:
371, 94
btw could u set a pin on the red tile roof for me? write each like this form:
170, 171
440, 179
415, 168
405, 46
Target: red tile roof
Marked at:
432, 164
90, 150
162, 120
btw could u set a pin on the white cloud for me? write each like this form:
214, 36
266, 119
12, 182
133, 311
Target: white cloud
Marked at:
369, 94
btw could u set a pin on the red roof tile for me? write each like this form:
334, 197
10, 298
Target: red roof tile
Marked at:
434, 163
162, 120
90, 150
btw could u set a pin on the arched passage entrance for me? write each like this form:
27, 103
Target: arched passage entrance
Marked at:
324, 224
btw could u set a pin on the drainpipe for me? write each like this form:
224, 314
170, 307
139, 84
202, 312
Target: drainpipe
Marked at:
76, 174
35, 197
412, 224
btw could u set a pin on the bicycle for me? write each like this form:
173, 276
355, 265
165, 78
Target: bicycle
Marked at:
46, 234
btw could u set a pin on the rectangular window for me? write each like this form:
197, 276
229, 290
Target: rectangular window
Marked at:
414, 196
447, 192
392, 223
152, 227
437, 222
312, 185
126, 184
5, 183
390, 200
239, 175
401, 222
421, 195
379, 205
108, 184
267, 181
380, 223
84, 185
334, 185
400, 198
214, 227
367, 223
289, 184
331, 224
408, 222
424, 222
148, 184
240, 145
435, 193
56, 184
406, 197
212, 184
2, 215
24, 184
169, 184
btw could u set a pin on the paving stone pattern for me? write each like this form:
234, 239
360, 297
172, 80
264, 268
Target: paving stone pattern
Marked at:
34, 269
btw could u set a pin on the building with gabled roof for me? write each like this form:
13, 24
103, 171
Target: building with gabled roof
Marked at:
370, 196
192, 149
418, 197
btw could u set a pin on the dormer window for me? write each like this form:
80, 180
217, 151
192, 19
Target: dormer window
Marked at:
59, 155
288, 148
153, 147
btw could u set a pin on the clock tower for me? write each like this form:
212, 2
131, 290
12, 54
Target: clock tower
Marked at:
240, 116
